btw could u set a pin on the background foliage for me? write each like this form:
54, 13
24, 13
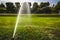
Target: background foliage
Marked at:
43, 7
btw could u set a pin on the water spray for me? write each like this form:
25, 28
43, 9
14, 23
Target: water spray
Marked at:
18, 16
17, 21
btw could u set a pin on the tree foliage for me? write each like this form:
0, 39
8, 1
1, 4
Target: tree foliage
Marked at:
29, 4
2, 8
10, 7
43, 7
35, 7
44, 4
58, 7
2, 5
17, 6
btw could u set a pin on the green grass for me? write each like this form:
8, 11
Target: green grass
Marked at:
33, 28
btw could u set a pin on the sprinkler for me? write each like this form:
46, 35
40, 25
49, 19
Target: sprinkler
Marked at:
12, 38
24, 6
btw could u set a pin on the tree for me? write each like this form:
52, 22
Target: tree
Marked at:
35, 7
44, 4
58, 7
2, 5
47, 10
2, 8
29, 4
10, 7
53, 9
44, 7
17, 6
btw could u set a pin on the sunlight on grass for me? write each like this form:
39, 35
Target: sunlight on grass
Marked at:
40, 28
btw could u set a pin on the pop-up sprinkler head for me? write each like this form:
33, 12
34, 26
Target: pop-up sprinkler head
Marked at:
12, 38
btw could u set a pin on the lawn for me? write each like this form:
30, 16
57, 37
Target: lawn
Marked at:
30, 28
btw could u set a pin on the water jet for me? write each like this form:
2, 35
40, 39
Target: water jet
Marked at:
24, 9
